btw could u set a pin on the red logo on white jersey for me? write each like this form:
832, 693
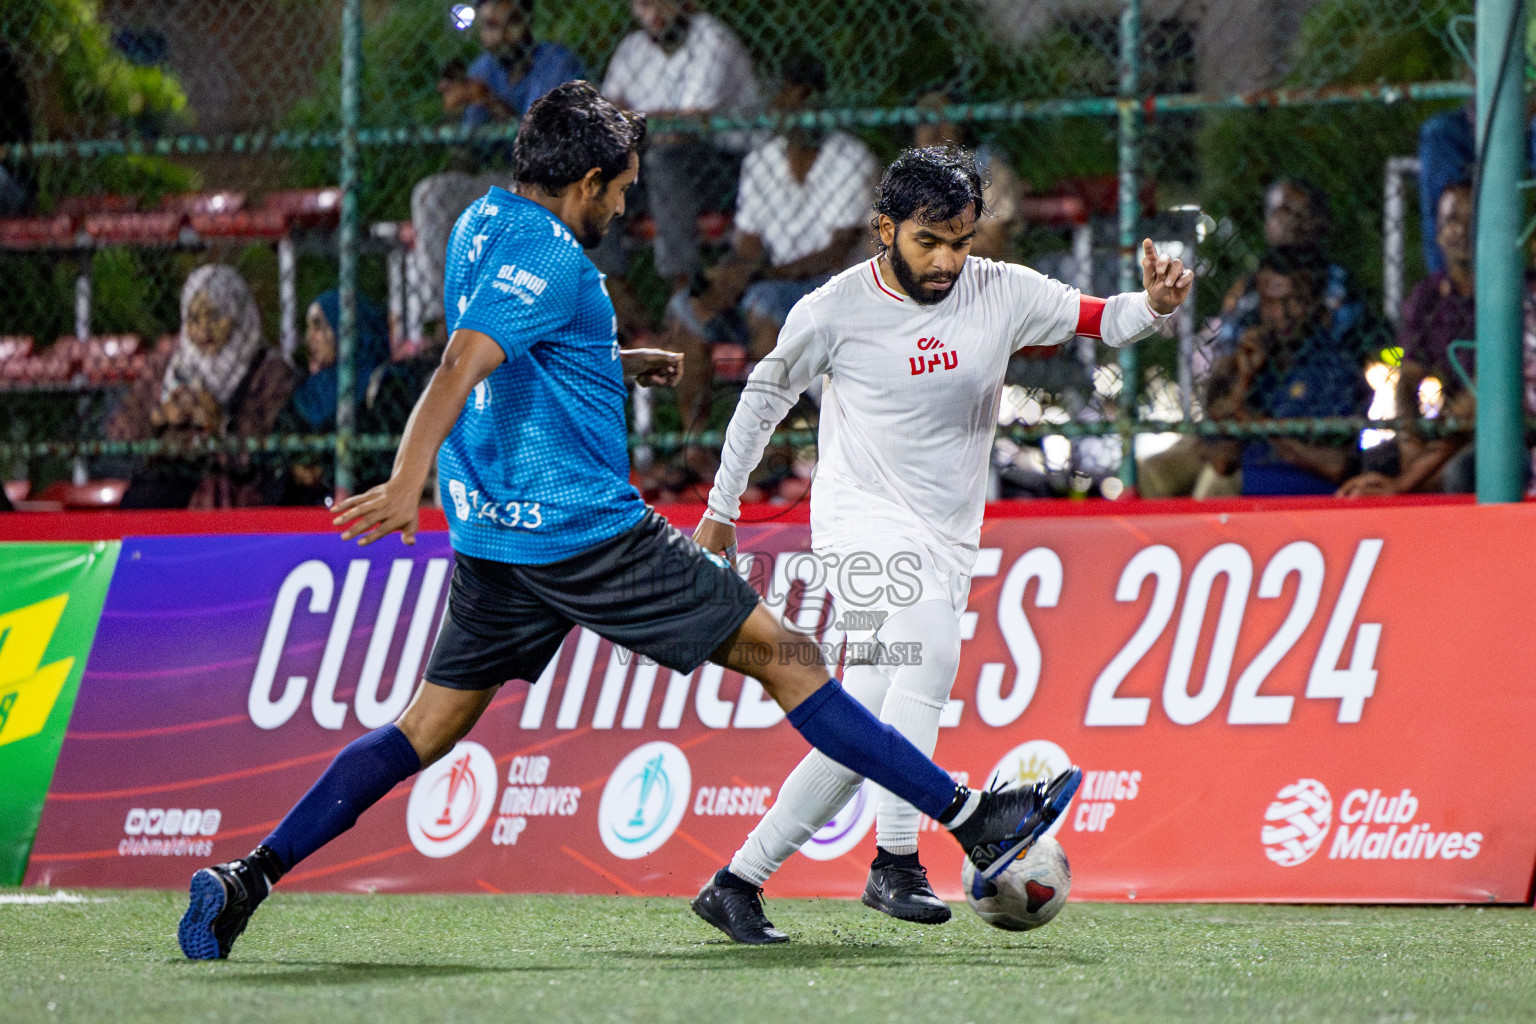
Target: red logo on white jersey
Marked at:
932, 364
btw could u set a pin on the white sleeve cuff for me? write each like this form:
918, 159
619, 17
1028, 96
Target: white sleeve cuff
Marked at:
1128, 318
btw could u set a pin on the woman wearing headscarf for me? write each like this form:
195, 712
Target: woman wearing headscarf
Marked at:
312, 409
220, 379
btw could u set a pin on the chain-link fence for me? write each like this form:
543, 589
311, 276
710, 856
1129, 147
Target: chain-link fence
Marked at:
320, 151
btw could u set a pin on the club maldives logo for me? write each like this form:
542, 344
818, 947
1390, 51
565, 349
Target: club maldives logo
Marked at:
1297, 822
451, 800
1031, 762
1374, 824
644, 800
848, 826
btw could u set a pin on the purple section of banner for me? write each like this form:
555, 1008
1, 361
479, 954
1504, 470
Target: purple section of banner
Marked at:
197, 609
177, 680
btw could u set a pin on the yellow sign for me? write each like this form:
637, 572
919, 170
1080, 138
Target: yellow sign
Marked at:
28, 688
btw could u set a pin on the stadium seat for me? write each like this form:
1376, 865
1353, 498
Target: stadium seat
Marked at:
306, 207
714, 228
107, 359
161, 227
37, 232
14, 351
791, 489
93, 494
731, 364
403, 350
112, 358
55, 365
224, 215
194, 203
83, 206
61, 228
1076, 200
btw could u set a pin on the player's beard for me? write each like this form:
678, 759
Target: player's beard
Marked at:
591, 232
912, 284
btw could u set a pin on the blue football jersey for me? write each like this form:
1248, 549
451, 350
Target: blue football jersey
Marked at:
537, 467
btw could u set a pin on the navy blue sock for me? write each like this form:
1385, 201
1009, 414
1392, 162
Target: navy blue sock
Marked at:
362, 773
844, 730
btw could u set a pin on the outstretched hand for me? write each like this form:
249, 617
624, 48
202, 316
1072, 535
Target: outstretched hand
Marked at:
1166, 279
380, 511
652, 367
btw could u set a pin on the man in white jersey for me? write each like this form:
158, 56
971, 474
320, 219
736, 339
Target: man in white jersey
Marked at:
914, 344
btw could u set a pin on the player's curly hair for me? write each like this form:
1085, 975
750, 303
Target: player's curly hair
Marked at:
934, 185
570, 130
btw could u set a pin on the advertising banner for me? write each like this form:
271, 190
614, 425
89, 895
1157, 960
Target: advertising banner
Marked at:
50, 598
1287, 706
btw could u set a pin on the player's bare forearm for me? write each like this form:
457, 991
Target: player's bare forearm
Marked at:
1410, 375
651, 367
469, 359
1429, 462
1326, 461
746, 255
1224, 456
822, 261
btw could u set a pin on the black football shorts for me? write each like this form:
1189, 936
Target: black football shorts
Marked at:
650, 589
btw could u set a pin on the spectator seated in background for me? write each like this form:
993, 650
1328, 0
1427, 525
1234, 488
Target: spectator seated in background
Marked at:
1439, 310
681, 62
221, 379
1447, 151
1447, 154
801, 216
1296, 220
499, 86
1001, 188
1295, 362
382, 402
513, 70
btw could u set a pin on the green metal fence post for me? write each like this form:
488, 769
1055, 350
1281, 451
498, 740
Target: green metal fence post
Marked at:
1130, 217
1501, 454
346, 331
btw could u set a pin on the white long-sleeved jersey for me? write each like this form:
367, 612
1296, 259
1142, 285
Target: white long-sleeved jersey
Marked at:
910, 408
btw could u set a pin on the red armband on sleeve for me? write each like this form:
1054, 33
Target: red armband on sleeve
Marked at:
1090, 316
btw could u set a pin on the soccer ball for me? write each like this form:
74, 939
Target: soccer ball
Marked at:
1030, 891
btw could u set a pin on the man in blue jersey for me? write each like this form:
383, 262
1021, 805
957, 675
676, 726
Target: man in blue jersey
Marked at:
528, 411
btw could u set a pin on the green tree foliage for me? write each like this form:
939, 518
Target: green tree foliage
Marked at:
91, 88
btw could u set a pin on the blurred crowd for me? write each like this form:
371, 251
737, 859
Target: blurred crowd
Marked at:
740, 225
1295, 340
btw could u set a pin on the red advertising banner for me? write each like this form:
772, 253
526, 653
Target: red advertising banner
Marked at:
1278, 705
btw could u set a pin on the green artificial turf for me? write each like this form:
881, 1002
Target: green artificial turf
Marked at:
554, 959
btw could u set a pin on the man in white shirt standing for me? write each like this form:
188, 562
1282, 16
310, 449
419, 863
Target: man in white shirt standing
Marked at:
801, 213
914, 344
682, 62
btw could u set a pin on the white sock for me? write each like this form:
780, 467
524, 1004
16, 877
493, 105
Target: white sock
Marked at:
915, 702
972, 801
815, 791
917, 718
